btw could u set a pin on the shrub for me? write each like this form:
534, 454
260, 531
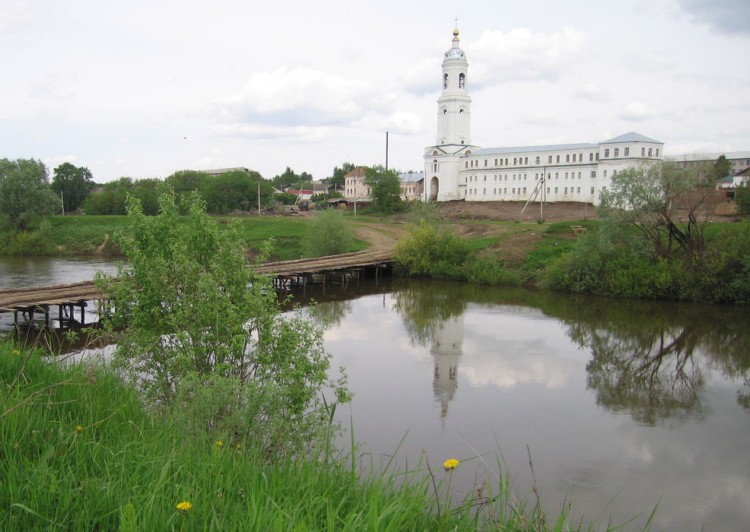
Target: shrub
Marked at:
328, 234
192, 316
429, 250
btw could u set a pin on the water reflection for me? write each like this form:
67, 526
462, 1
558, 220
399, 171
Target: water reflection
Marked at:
623, 404
642, 354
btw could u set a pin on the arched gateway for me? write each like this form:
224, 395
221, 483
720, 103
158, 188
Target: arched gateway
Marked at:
434, 188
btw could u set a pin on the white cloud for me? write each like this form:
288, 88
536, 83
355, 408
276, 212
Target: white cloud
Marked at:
522, 54
303, 96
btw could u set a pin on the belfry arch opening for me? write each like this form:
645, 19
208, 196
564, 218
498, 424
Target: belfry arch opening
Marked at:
434, 188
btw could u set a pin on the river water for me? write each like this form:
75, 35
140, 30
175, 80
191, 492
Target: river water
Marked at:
621, 405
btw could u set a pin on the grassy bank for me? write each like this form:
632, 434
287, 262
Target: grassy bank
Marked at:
96, 235
78, 452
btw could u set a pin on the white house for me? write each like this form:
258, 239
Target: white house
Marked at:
455, 169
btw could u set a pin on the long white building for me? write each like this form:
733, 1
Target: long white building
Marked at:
457, 170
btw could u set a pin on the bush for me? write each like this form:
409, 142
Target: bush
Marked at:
192, 316
328, 234
429, 250
28, 242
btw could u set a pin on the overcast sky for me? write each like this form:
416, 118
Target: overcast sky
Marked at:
145, 88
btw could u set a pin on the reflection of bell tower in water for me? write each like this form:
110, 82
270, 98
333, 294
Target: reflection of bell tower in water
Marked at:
447, 340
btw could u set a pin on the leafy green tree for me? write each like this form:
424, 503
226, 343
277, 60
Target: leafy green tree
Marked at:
742, 197
147, 191
73, 183
328, 234
666, 204
236, 190
722, 167
110, 198
198, 330
337, 178
289, 179
25, 192
184, 181
385, 189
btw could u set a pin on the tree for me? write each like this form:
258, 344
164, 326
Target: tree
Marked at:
197, 329
722, 167
111, 199
289, 179
742, 197
235, 190
667, 204
385, 189
337, 178
25, 192
73, 183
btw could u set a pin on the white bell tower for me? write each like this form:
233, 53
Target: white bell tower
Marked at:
454, 103
443, 161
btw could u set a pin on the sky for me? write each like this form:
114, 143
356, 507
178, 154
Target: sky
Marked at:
142, 89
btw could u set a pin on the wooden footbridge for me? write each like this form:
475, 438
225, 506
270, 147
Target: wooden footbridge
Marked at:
69, 297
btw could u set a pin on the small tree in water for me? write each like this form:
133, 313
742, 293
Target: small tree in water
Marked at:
198, 330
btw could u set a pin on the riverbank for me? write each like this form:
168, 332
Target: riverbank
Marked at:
513, 245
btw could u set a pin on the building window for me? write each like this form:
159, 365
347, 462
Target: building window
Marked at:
567, 157
495, 162
643, 152
537, 159
555, 190
525, 160
558, 158
578, 190
605, 173
547, 190
591, 156
606, 153
627, 152
445, 81
657, 152
649, 152
549, 159
461, 81
617, 152
592, 190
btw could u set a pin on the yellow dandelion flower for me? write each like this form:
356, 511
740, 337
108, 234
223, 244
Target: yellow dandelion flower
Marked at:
219, 443
450, 463
79, 428
16, 352
184, 506
238, 446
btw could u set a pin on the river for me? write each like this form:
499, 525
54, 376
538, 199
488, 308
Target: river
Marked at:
623, 406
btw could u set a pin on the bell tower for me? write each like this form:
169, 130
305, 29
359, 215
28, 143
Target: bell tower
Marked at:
443, 161
454, 103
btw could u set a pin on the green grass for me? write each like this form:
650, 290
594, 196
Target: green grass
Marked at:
78, 452
85, 235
